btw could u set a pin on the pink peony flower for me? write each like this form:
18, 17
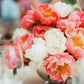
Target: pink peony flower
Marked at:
62, 24
81, 15
58, 66
71, 25
73, 17
28, 20
8, 43
11, 57
40, 30
24, 42
18, 44
28, 43
75, 42
46, 14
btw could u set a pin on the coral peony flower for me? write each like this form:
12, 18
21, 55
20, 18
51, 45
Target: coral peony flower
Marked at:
75, 42
38, 51
39, 31
46, 14
28, 44
19, 32
81, 14
22, 34
55, 41
11, 57
28, 20
59, 66
73, 17
63, 8
25, 37
24, 42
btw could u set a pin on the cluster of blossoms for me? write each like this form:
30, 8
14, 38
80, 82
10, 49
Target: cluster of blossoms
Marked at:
53, 36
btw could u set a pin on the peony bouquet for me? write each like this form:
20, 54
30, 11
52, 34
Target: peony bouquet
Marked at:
51, 38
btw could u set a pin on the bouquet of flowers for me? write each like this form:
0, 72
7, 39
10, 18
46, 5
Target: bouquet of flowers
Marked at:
51, 38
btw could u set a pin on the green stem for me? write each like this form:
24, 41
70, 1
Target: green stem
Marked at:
1, 54
78, 1
14, 71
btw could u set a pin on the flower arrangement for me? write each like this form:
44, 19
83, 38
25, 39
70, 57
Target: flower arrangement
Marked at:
51, 36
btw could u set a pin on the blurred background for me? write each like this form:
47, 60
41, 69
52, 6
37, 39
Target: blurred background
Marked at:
12, 11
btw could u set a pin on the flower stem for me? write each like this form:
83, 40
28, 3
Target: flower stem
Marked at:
14, 71
78, 1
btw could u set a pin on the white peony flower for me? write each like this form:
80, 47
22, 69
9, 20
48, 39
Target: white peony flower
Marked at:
33, 65
55, 41
19, 32
39, 41
63, 8
78, 77
80, 65
39, 68
38, 50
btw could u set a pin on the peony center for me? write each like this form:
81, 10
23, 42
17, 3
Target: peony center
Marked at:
43, 32
23, 9
56, 48
61, 69
24, 40
78, 42
47, 13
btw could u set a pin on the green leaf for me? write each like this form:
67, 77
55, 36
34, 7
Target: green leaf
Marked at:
14, 71
33, 26
77, 6
1, 54
26, 63
11, 40
65, 82
48, 77
29, 60
70, 1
